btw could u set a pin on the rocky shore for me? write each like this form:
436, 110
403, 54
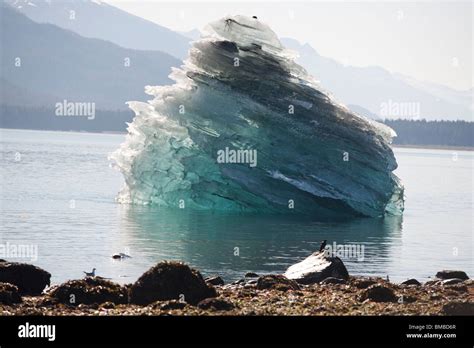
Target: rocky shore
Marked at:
319, 285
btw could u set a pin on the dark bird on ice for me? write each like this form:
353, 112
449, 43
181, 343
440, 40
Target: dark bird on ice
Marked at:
254, 17
323, 245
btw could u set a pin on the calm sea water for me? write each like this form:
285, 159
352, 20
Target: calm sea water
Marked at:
57, 192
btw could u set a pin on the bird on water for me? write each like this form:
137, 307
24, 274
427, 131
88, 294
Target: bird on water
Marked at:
90, 274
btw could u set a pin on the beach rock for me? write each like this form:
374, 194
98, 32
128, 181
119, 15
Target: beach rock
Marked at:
411, 281
9, 294
172, 304
407, 299
120, 256
29, 279
218, 304
452, 281
436, 297
379, 293
214, 280
89, 291
458, 308
364, 283
432, 282
458, 287
170, 281
469, 282
46, 301
107, 305
332, 280
449, 274
251, 275
316, 268
276, 282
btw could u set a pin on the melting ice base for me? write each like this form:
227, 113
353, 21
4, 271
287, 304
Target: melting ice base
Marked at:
240, 89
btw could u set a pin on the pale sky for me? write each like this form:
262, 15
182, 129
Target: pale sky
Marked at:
430, 41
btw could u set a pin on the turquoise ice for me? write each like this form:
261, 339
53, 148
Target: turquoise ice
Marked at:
240, 89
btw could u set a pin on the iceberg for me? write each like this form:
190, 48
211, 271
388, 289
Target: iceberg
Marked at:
244, 128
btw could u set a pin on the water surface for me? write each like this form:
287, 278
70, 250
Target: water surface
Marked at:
57, 191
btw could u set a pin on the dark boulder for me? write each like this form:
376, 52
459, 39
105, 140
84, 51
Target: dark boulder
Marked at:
452, 281
29, 279
316, 268
432, 282
458, 288
89, 291
458, 308
170, 281
251, 275
276, 282
9, 294
448, 274
378, 293
218, 304
170, 305
332, 280
411, 281
216, 280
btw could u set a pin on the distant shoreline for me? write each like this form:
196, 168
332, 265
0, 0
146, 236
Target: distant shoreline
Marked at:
401, 146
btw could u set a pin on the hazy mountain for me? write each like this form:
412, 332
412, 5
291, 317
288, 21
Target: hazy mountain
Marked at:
372, 91
96, 19
12, 94
192, 34
452, 95
43, 64
363, 111
377, 90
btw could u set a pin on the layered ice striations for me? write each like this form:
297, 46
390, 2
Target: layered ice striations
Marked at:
240, 89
